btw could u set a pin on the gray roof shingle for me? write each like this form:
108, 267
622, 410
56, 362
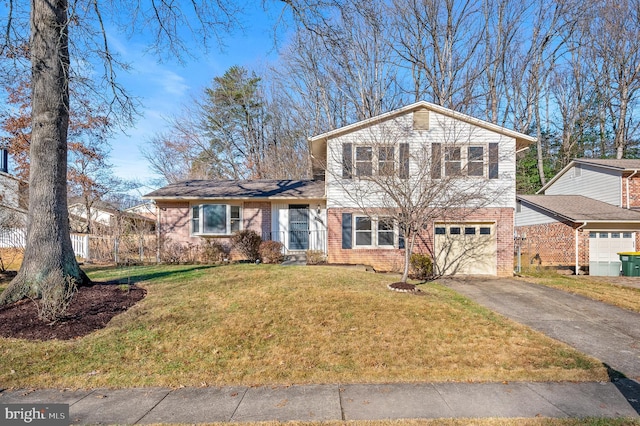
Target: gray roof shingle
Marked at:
579, 208
624, 164
241, 189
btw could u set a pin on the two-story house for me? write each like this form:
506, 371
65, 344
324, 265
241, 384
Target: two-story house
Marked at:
461, 167
582, 217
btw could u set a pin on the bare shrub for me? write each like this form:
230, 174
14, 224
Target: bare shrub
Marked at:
212, 251
271, 252
57, 291
247, 242
316, 257
173, 252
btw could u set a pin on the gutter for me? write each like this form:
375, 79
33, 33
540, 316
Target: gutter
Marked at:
578, 245
627, 182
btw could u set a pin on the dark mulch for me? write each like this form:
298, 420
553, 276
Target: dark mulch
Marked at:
91, 309
404, 287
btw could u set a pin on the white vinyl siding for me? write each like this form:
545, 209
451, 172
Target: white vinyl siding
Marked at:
529, 215
442, 129
593, 182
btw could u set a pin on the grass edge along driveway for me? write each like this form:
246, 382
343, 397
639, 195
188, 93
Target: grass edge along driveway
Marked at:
268, 324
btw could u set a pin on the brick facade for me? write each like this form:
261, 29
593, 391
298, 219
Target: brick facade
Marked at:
553, 244
175, 223
257, 217
634, 191
383, 259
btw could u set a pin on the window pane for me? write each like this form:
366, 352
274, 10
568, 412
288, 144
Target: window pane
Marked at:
593, 234
363, 223
626, 235
386, 161
385, 232
615, 235
485, 230
440, 230
215, 218
363, 231
363, 238
604, 235
470, 231
476, 153
364, 157
475, 161
454, 230
452, 161
195, 221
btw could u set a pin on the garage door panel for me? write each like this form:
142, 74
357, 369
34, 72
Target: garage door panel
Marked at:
605, 246
469, 249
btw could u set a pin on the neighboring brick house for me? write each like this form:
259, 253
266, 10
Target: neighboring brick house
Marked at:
327, 213
582, 217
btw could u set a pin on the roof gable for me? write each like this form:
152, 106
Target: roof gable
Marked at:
318, 143
623, 165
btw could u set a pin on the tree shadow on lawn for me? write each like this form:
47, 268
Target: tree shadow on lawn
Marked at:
137, 276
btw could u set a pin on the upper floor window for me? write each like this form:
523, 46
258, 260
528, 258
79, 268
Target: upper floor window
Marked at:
215, 219
364, 161
375, 160
470, 160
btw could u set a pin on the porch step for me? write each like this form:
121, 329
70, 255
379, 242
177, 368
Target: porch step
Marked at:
295, 259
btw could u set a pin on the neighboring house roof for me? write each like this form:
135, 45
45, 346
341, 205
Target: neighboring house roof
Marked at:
318, 143
626, 165
578, 208
623, 165
240, 189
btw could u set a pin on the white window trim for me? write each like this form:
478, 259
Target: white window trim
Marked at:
228, 231
464, 160
374, 234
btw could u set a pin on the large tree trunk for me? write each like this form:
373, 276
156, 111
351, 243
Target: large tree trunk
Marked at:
49, 261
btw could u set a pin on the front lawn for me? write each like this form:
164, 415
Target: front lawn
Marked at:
603, 289
264, 324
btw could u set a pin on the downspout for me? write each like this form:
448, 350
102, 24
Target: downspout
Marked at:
578, 246
627, 182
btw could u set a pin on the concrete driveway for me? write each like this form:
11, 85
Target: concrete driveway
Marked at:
603, 331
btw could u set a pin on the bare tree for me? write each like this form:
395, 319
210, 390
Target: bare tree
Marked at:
614, 41
49, 263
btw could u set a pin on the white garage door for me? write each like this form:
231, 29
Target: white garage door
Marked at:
466, 248
605, 246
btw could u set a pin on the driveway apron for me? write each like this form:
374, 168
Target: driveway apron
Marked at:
603, 331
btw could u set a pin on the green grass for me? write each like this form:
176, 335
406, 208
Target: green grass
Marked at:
603, 289
266, 324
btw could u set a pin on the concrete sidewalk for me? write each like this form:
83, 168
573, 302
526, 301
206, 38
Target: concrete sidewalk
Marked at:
341, 402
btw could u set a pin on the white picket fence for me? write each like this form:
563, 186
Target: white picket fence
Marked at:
16, 238
12, 238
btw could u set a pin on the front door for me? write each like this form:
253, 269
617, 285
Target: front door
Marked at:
298, 226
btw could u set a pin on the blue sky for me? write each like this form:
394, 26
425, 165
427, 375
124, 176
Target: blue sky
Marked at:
165, 87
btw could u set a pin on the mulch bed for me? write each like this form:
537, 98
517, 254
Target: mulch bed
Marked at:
91, 309
404, 287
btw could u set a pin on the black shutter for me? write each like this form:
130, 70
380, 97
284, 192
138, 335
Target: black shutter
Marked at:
403, 172
4, 160
347, 160
493, 161
436, 160
346, 231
